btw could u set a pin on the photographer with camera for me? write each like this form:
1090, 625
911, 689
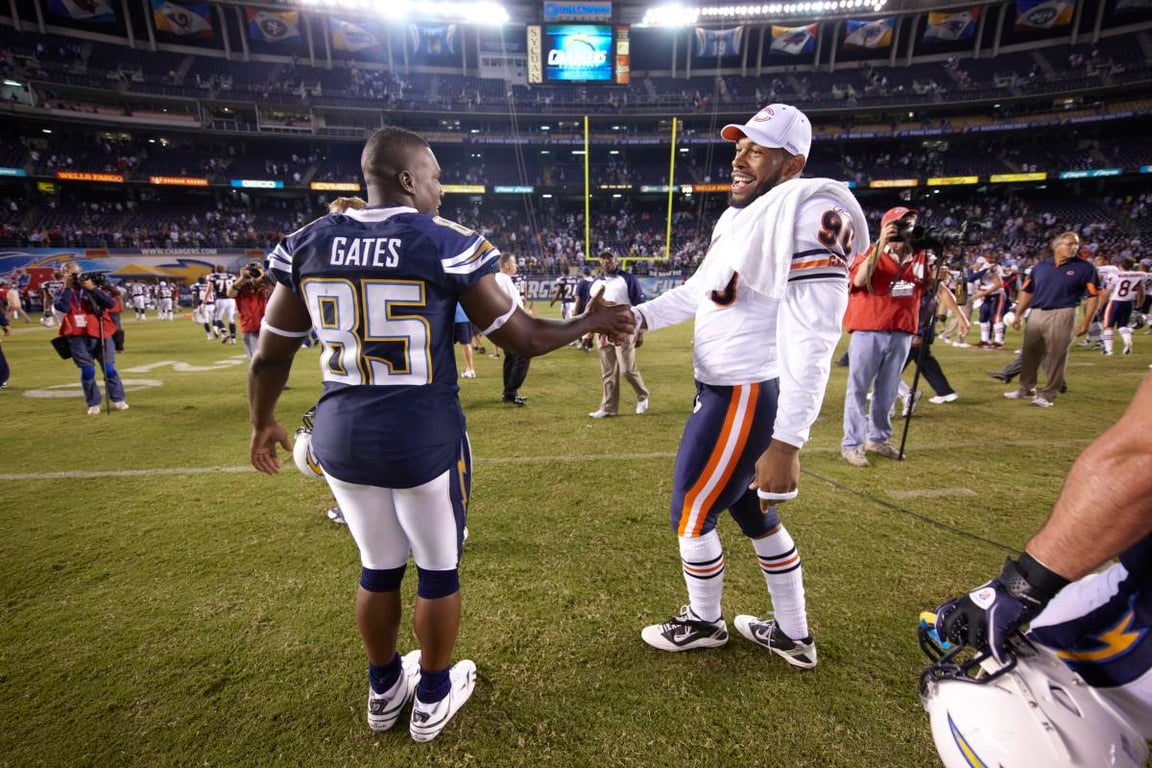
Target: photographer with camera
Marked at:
886, 283
87, 324
251, 291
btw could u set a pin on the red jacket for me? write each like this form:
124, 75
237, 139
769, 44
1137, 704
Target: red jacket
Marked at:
893, 304
74, 307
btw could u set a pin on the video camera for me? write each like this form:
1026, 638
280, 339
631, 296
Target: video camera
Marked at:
98, 279
969, 233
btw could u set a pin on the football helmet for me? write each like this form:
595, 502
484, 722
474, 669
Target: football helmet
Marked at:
1138, 321
1009, 318
302, 449
1030, 711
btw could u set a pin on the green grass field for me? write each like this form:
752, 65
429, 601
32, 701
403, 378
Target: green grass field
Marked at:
165, 605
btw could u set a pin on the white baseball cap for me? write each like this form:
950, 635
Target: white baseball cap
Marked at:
776, 125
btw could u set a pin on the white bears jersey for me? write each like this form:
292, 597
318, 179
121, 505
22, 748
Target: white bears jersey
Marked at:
1107, 273
164, 291
988, 277
1124, 286
743, 337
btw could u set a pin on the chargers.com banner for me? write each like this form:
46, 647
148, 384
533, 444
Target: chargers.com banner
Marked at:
180, 265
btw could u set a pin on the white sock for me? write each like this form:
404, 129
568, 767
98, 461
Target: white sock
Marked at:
1108, 338
998, 333
702, 559
780, 563
1126, 335
984, 329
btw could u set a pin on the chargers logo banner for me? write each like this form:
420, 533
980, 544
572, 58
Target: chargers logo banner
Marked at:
183, 20
346, 36
719, 42
272, 26
958, 25
1044, 14
870, 34
96, 11
432, 39
793, 40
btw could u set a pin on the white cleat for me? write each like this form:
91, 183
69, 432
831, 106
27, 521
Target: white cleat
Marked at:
384, 709
685, 632
428, 720
765, 632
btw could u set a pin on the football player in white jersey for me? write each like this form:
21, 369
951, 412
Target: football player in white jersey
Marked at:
164, 295
138, 294
1123, 292
768, 302
1106, 272
993, 301
219, 284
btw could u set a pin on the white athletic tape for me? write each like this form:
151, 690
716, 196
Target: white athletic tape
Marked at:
769, 496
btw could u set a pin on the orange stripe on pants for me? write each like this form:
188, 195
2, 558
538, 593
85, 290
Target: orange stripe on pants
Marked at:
738, 421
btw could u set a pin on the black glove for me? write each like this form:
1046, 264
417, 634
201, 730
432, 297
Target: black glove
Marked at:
985, 618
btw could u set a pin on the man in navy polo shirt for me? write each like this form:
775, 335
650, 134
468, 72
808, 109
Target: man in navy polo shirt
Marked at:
1053, 292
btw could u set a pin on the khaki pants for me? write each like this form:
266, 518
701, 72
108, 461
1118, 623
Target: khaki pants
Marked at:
616, 360
1047, 337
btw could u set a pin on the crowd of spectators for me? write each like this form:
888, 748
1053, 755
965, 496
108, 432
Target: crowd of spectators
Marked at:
548, 236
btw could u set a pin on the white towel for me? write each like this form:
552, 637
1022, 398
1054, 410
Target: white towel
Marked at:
759, 240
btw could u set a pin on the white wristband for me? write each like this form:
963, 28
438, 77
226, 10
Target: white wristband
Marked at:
769, 496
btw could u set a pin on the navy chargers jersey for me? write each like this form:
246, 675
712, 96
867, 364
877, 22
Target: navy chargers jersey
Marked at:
567, 286
381, 285
1111, 644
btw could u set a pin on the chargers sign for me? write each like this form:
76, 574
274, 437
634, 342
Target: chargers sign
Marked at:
578, 11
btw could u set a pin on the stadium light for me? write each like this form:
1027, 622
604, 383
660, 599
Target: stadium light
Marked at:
682, 16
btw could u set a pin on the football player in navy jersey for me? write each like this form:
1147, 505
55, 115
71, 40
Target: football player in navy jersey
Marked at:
380, 287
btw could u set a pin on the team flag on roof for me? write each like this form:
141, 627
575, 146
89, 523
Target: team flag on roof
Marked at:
183, 20
951, 26
97, 11
719, 42
793, 40
433, 39
272, 26
1044, 14
876, 33
347, 36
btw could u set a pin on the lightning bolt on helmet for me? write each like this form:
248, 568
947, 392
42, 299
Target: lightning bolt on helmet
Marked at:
302, 449
1031, 711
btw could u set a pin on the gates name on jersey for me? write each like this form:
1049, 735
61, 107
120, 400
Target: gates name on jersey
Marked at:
381, 285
